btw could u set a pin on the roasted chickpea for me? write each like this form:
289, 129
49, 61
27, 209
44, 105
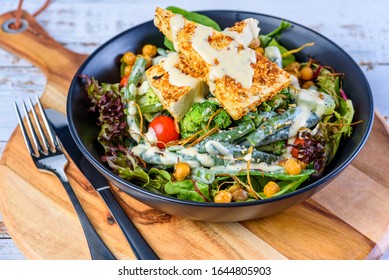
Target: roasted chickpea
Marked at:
306, 73
293, 69
181, 170
294, 66
292, 166
308, 84
127, 70
148, 60
129, 58
260, 50
149, 50
223, 196
239, 194
271, 188
255, 43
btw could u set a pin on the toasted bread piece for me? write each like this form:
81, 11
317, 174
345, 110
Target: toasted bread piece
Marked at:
176, 90
237, 76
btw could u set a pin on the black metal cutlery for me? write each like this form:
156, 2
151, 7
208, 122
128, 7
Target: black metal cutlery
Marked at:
48, 156
141, 248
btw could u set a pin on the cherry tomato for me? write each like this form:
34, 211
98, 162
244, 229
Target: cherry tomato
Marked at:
295, 151
124, 81
164, 129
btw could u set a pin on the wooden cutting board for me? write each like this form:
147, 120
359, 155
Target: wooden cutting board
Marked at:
349, 219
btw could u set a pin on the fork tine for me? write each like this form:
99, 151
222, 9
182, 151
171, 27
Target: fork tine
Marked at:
23, 129
51, 133
32, 130
43, 137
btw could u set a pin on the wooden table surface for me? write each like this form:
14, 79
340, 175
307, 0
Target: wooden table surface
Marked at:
360, 27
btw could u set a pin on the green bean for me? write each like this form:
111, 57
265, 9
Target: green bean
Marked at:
230, 136
273, 175
281, 134
259, 118
231, 151
129, 95
137, 71
274, 125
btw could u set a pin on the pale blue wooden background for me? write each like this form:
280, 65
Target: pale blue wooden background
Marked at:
360, 27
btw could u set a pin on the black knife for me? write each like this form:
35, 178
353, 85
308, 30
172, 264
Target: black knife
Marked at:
141, 248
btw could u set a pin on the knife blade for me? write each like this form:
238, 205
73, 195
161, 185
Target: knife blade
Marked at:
139, 245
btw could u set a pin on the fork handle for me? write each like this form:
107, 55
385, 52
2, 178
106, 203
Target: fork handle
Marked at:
98, 249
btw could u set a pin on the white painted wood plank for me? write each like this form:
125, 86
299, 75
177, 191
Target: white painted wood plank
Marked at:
17, 83
9, 251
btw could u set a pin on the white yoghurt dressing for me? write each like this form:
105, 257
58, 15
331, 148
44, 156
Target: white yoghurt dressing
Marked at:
234, 60
176, 76
177, 22
249, 33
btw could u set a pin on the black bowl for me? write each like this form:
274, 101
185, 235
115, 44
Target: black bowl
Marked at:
104, 63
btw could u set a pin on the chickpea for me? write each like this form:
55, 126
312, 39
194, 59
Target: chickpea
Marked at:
149, 50
181, 170
293, 69
294, 66
255, 43
271, 188
129, 58
292, 166
239, 194
260, 50
148, 60
223, 196
306, 73
127, 70
308, 84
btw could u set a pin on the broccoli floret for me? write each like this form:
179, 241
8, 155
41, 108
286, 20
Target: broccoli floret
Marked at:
265, 107
198, 116
148, 98
151, 97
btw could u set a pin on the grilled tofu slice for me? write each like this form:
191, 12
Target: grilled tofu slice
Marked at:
245, 32
237, 76
175, 85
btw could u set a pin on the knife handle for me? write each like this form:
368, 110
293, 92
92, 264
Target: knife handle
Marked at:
141, 248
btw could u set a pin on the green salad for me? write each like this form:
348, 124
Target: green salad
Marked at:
195, 150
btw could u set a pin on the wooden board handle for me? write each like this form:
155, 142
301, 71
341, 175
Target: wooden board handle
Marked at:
35, 45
